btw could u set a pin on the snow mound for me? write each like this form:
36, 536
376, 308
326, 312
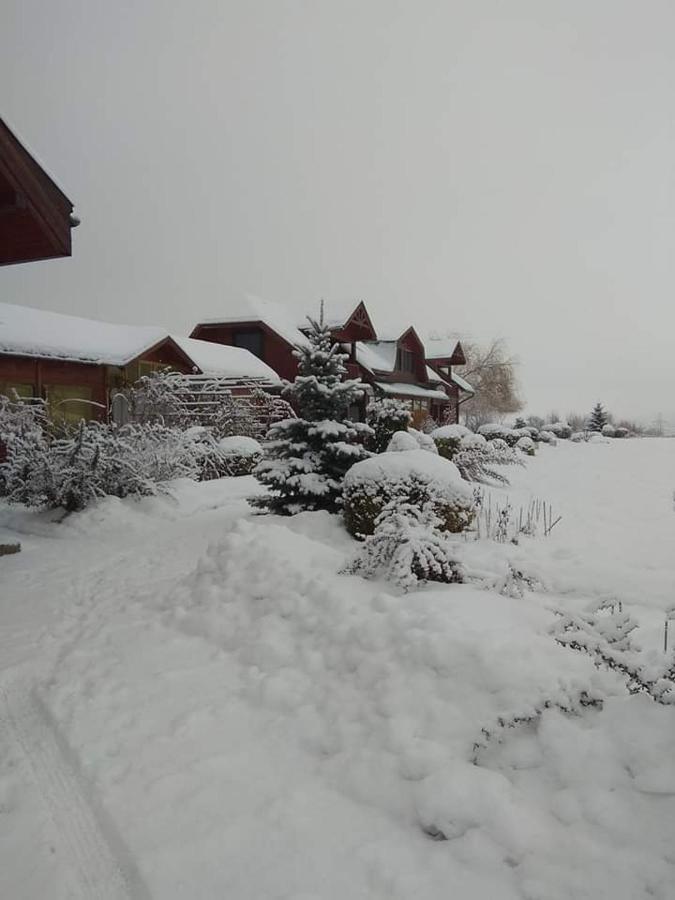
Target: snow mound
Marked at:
472, 442
424, 441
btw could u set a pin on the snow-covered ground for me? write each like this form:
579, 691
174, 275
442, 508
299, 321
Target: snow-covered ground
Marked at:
195, 704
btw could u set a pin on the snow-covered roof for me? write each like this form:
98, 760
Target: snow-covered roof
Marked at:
337, 312
25, 331
441, 348
433, 375
249, 308
377, 356
220, 360
461, 383
402, 389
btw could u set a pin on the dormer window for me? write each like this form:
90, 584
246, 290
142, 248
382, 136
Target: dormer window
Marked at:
250, 339
406, 360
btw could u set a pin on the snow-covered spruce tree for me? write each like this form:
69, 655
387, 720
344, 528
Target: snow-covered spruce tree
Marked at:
386, 417
598, 418
306, 458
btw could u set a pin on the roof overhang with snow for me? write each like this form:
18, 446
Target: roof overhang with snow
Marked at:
35, 215
400, 389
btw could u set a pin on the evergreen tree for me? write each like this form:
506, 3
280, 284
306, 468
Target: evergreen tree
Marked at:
598, 418
307, 458
386, 417
520, 423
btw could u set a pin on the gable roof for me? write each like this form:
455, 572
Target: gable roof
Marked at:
25, 331
445, 349
246, 308
221, 360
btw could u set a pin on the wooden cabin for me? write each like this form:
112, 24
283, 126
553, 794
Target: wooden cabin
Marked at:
442, 356
392, 367
36, 217
77, 364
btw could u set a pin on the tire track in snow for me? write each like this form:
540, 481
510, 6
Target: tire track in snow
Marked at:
101, 864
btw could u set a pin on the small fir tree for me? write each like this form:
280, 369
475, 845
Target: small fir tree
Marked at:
386, 417
307, 457
598, 418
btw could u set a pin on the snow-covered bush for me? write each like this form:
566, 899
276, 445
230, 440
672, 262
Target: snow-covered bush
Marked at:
159, 398
526, 445
401, 441
547, 437
242, 454
306, 458
560, 429
415, 477
22, 433
609, 430
492, 431
407, 548
95, 460
448, 437
579, 437
386, 417
620, 432
472, 442
424, 441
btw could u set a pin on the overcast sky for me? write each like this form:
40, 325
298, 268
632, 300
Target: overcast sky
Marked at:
488, 167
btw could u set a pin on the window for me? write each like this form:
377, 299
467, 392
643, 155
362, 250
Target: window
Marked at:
406, 360
70, 402
250, 339
146, 367
24, 391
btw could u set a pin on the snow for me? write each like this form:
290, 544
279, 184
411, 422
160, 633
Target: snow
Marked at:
402, 441
35, 332
461, 383
377, 356
441, 348
451, 432
239, 445
25, 331
219, 360
250, 308
439, 473
402, 389
196, 704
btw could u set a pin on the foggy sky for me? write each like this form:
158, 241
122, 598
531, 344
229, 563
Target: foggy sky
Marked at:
483, 167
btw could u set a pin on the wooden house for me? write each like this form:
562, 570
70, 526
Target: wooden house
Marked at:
76, 364
36, 217
442, 356
394, 366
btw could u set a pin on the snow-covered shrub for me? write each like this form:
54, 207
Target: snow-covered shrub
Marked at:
407, 548
210, 458
22, 434
159, 398
96, 460
448, 437
609, 430
472, 442
620, 432
401, 441
386, 417
424, 441
579, 437
560, 429
495, 431
241, 453
306, 458
547, 437
526, 445
415, 477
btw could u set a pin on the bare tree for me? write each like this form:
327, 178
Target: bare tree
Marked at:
491, 370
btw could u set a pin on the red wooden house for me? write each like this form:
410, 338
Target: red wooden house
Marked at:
36, 217
441, 357
77, 364
393, 367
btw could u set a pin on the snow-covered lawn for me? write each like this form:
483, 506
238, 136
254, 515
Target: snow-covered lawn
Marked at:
196, 705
